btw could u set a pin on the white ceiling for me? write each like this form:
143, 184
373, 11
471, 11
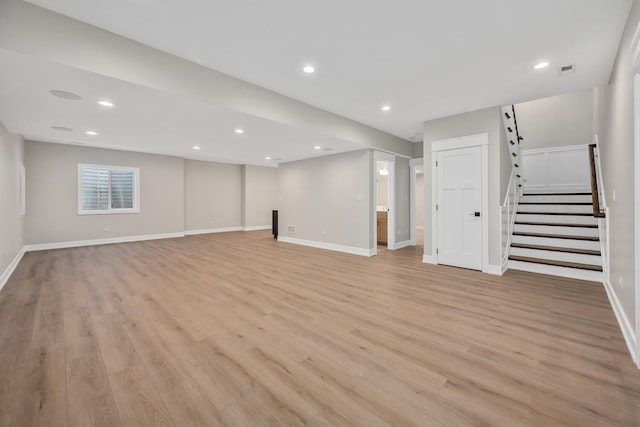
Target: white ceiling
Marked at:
425, 58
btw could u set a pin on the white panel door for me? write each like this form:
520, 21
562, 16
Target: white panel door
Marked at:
459, 205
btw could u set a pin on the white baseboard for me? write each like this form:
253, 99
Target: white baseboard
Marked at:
505, 266
330, 246
4, 278
428, 259
404, 244
419, 227
623, 321
212, 230
106, 241
496, 270
256, 228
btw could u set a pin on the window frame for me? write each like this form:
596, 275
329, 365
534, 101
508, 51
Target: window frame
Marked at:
109, 210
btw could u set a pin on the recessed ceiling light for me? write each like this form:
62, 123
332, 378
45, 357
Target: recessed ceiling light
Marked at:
317, 147
196, 147
65, 95
308, 69
267, 158
91, 132
239, 131
106, 103
386, 108
62, 128
541, 65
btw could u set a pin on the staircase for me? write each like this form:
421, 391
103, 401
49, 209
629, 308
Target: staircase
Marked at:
556, 233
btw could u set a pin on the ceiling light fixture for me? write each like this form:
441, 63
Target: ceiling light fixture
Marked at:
91, 132
108, 104
309, 69
541, 65
65, 95
386, 108
239, 131
267, 158
196, 147
317, 147
384, 172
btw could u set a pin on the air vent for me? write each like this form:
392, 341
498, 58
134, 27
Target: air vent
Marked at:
567, 69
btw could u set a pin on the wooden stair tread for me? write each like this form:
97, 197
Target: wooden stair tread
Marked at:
555, 213
557, 203
556, 249
556, 224
556, 263
556, 194
556, 236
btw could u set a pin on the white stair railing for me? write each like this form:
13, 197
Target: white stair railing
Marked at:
509, 210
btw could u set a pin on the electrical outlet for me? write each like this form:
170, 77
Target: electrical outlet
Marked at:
291, 228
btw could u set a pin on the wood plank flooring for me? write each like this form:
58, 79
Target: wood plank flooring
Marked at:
236, 329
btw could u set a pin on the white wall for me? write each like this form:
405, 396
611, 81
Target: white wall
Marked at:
52, 194
615, 128
11, 224
557, 121
212, 195
259, 195
402, 218
488, 120
419, 200
328, 199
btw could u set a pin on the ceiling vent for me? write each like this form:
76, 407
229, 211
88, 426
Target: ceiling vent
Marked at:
567, 69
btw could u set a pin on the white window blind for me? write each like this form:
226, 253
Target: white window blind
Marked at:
107, 189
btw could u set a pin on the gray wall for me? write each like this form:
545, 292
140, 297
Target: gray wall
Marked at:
403, 220
615, 128
11, 224
488, 120
259, 195
319, 196
419, 200
52, 194
212, 195
557, 121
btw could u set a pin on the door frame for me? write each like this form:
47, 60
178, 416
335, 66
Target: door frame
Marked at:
636, 174
414, 166
479, 140
390, 159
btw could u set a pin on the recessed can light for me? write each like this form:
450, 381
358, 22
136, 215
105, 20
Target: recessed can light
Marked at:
386, 108
267, 158
91, 132
317, 147
65, 95
196, 147
308, 69
541, 65
239, 131
106, 103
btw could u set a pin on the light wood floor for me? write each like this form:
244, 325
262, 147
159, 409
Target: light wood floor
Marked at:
237, 329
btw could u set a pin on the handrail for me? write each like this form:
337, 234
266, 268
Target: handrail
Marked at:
595, 197
513, 137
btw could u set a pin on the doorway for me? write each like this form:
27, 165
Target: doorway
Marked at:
460, 202
416, 208
383, 201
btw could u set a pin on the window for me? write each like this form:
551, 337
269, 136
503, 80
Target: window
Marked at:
108, 189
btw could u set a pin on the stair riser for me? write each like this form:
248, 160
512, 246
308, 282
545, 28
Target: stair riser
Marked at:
555, 208
560, 198
558, 256
544, 229
562, 243
574, 273
570, 219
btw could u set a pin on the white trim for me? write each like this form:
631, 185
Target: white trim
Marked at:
403, 244
496, 270
390, 159
256, 228
22, 204
428, 259
213, 230
481, 140
576, 147
623, 321
636, 177
93, 242
460, 142
110, 211
505, 266
4, 278
554, 270
329, 246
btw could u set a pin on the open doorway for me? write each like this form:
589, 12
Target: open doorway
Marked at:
384, 201
416, 209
